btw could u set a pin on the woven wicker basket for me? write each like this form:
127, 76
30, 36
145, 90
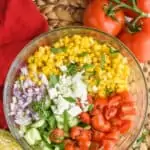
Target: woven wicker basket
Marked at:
60, 13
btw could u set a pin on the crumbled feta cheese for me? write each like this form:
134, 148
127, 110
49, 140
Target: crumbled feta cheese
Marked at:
80, 88
61, 105
68, 86
63, 68
52, 93
75, 111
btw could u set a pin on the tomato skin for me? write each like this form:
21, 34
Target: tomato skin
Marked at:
140, 46
84, 144
114, 101
95, 112
110, 112
94, 146
112, 135
100, 103
116, 122
75, 132
95, 16
85, 117
84, 136
126, 125
100, 124
56, 134
90, 99
144, 5
69, 146
139, 42
97, 136
108, 145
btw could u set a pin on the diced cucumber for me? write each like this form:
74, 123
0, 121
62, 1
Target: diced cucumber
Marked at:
38, 124
57, 148
23, 128
44, 147
73, 121
60, 121
47, 103
32, 136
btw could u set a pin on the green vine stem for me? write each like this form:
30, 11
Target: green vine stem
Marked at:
134, 8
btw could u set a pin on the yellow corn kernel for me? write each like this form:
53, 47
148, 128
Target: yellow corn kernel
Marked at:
41, 50
35, 79
22, 77
39, 83
32, 67
46, 70
45, 58
31, 59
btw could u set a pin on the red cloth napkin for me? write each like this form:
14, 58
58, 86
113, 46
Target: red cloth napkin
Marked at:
20, 21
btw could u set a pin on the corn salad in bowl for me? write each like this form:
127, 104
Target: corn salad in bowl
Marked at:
76, 89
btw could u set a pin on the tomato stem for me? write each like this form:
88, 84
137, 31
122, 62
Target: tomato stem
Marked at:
134, 8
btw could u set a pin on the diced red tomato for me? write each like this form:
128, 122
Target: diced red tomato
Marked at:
97, 136
126, 125
128, 110
100, 124
112, 135
95, 111
85, 135
126, 96
110, 112
108, 145
69, 146
90, 99
85, 117
57, 135
100, 103
84, 144
116, 121
94, 146
75, 132
114, 101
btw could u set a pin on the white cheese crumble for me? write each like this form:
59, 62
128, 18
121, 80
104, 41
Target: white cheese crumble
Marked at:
69, 86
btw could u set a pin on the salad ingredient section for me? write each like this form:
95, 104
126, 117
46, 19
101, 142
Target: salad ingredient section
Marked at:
73, 94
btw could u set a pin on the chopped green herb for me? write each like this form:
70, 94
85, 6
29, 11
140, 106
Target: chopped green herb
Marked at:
58, 50
90, 108
113, 50
103, 61
66, 127
142, 137
108, 91
60, 146
41, 109
72, 68
87, 66
70, 99
53, 80
84, 125
97, 82
83, 54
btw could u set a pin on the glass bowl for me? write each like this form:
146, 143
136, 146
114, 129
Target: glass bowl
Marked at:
136, 80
